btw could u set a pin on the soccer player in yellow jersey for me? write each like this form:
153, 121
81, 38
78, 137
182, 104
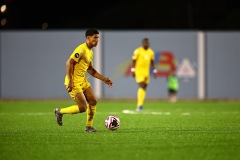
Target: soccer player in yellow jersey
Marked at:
143, 61
77, 83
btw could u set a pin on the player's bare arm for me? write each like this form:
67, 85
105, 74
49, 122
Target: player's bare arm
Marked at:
133, 68
70, 69
154, 69
97, 75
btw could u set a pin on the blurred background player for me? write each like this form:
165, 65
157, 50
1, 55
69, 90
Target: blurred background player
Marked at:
142, 61
77, 83
173, 86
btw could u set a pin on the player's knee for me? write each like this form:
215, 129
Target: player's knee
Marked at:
144, 87
93, 102
82, 108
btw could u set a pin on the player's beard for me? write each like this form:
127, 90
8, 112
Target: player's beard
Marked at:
95, 44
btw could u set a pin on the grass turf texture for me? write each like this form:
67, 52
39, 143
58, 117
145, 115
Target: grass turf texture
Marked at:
184, 130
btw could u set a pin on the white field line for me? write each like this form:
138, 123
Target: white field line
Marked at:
145, 112
185, 114
27, 114
47, 113
110, 113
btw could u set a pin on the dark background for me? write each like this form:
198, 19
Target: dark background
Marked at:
123, 14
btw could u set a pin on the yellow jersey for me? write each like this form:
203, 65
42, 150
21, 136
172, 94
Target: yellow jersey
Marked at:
83, 56
143, 60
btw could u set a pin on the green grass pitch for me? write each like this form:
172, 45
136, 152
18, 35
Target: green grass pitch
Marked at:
192, 130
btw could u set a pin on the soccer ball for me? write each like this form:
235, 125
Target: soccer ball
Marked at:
112, 122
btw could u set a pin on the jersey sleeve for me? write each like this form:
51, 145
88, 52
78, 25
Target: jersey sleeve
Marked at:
135, 54
77, 54
153, 55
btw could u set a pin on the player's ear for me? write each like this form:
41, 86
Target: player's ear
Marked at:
87, 37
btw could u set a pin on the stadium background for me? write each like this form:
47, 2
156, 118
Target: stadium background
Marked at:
203, 36
33, 63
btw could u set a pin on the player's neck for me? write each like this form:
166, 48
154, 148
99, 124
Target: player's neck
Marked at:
88, 45
146, 48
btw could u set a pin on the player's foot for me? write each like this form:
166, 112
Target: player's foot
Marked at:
173, 99
58, 116
90, 129
140, 108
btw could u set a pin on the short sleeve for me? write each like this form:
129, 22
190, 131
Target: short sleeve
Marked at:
153, 55
77, 54
135, 54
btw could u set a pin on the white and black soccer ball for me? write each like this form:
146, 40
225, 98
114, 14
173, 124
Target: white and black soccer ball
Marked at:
112, 122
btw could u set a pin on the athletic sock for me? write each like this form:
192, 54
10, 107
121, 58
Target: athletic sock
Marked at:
70, 110
91, 110
141, 97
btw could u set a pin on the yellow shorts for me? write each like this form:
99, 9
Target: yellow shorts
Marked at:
78, 88
142, 78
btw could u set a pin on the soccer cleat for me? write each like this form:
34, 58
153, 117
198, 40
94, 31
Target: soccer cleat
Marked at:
58, 116
90, 129
139, 109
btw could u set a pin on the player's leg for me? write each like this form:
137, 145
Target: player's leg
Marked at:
78, 96
176, 95
169, 94
79, 108
141, 94
172, 95
91, 109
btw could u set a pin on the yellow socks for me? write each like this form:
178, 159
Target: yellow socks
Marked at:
70, 110
91, 110
141, 96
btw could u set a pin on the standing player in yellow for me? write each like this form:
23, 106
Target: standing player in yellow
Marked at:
143, 60
77, 83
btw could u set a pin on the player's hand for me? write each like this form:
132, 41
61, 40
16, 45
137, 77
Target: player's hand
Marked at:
70, 86
108, 82
155, 73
